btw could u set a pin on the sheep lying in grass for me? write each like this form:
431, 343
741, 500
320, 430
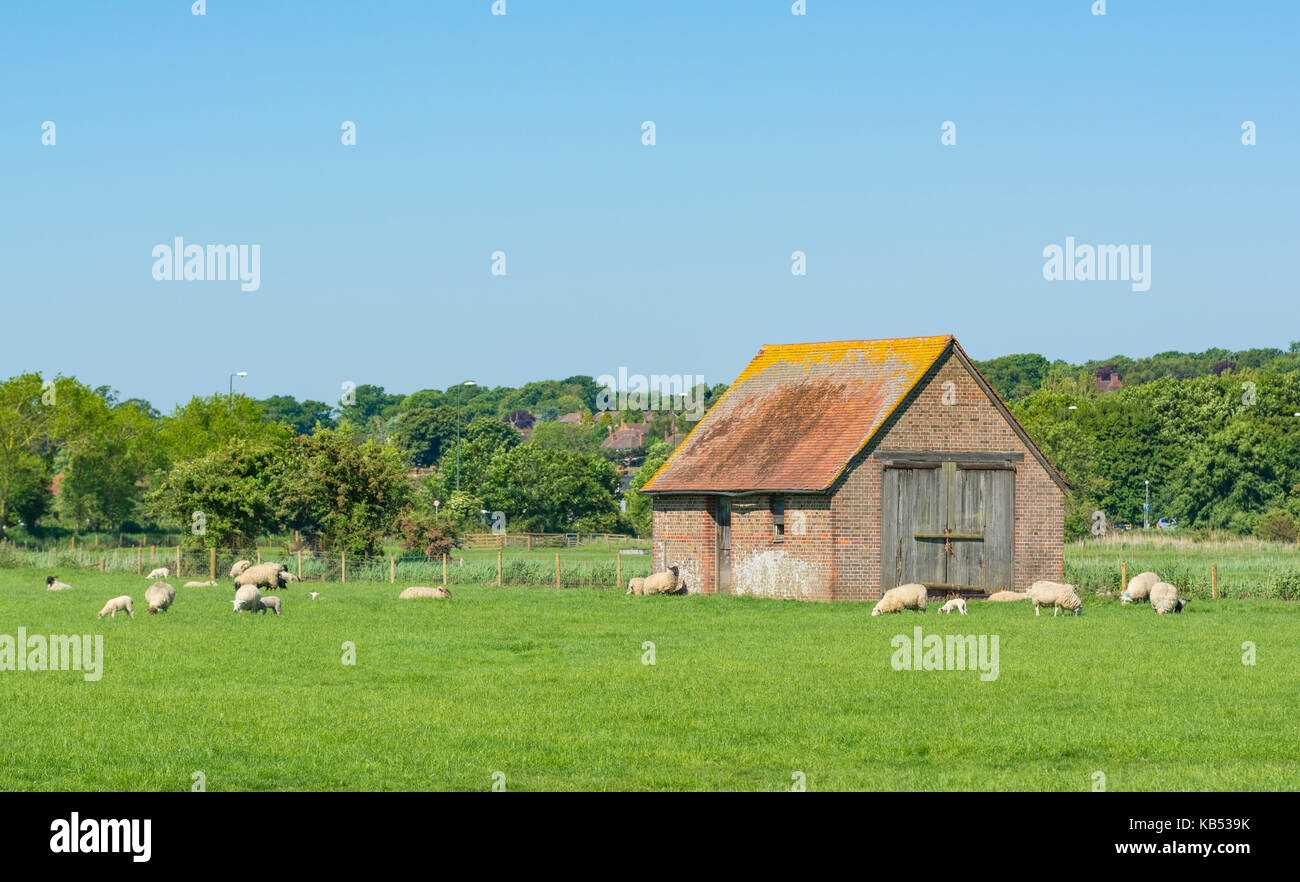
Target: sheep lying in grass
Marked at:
956, 603
117, 605
198, 584
667, 582
247, 597
1139, 588
265, 575
238, 567
1008, 596
53, 584
636, 586
1055, 594
1165, 599
271, 603
159, 596
903, 597
415, 591
158, 574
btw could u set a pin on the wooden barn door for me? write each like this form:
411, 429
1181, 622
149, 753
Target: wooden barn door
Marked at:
949, 525
724, 545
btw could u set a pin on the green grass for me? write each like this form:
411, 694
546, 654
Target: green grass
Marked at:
549, 687
1247, 567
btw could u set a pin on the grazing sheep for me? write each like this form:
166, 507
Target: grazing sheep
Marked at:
415, 591
198, 584
117, 605
315, 594
956, 603
666, 582
903, 597
159, 596
53, 584
160, 573
636, 586
1139, 588
1165, 599
286, 576
238, 567
247, 597
271, 603
1007, 596
1055, 594
265, 575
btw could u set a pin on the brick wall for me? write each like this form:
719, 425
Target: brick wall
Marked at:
685, 535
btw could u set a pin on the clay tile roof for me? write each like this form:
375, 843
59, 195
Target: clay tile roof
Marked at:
796, 417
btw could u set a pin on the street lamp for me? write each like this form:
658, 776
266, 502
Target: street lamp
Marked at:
1146, 510
232, 383
458, 402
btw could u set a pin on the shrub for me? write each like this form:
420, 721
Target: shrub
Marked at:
1277, 526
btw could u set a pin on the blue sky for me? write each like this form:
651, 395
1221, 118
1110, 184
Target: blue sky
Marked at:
522, 133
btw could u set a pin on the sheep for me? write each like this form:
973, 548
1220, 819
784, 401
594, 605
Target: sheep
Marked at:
1164, 599
158, 574
271, 603
1057, 594
238, 567
417, 591
667, 582
265, 575
636, 586
315, 594
286, 576
159, 596
53, 584
903, 597
1007, 596
1139, 587
199, 584
117, 605
247, 597
955, 604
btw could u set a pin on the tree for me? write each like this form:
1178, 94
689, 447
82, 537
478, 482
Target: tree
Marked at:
423, 433
203, 425
106, 458
639, 506
568, 436
301, 416
26, 448
492, 431
543, 490
369, 401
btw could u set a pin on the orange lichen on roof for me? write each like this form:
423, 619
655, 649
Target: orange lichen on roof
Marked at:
797, 415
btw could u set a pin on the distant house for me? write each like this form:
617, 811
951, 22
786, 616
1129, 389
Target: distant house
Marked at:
574, 418
628, 436
1108, 378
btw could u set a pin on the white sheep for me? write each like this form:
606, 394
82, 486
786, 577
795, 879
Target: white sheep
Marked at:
53, 584
117, 605
315, 594
415, 591
1055, 594
913, 596
956, 603
286, 576
1165, 599
247, 597
159, 596
238, 567
159, 574
636, 586
666, 582
1007, 596
198, 584
271, 603
265, 575
1139, 588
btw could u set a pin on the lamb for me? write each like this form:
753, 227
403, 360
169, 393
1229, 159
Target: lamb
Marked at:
117, 605
286, 576
1007, 596
198, 584
1164, 599
667, 582
265, 575
955, 604
1139, 588
53, 584
159, 596
271, 603
416, 591
247, 597
315, 594
238, 567
903, 597
1057, 594
160, 573
636, 586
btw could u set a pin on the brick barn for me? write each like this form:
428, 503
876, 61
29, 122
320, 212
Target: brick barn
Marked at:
835, 471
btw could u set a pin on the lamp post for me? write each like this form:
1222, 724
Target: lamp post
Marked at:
459, 396
1146, 509
232, 384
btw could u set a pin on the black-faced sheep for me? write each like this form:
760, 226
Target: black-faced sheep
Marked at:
53, 584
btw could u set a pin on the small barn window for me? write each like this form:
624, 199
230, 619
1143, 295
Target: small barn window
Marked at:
778, 518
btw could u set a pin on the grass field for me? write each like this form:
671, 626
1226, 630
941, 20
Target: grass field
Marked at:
549, 688
1246, 567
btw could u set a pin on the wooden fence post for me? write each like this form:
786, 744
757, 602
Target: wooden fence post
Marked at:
259, 555
101, 565
1123, 576
498, 567
139, 559
557, 569
392, 569
178, 559
618, 567
212, 563
153, 551
1214, 581
299, 564
343, 563
529, 540
444, 568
